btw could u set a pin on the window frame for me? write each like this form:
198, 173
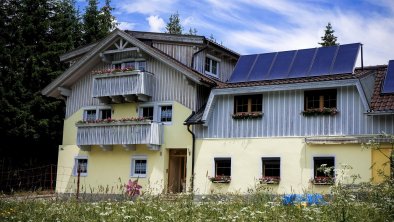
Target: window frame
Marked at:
209, 72
132, 166
264, 160
215, 168
249, 104
75, 167
315, 171
321, 94
98, 110
136, 62
141, 113
159, 119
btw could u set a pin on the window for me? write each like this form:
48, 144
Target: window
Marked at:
222, 167
90, 115
105, 114
140, 65
95, 114
211, 66
81, 165
329, 164
147, 112
248, 104
319, 99
138, 166
271, 167
165, 113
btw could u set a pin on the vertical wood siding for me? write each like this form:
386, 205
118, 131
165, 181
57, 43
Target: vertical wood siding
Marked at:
226, 66
282, 117
182, 53
170, 85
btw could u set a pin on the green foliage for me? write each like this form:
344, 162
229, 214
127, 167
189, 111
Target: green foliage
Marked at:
97, 23
329, 39
174, 25
367, 203
192, 31
34, 34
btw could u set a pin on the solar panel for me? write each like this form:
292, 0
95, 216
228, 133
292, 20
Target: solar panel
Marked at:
346, 58
242, 69
323, 61
280, 68
302, 63
388, 84
262, 66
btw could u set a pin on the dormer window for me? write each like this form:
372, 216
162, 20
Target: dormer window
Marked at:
319, 99
212, 66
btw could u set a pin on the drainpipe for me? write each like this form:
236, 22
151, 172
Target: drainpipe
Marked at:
193, 147
362, 58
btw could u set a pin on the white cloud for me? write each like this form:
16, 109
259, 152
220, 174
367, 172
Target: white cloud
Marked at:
156, 24
146, 6
125, 25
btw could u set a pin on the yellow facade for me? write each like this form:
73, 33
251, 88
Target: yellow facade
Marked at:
296, 164
380, 164
108, 171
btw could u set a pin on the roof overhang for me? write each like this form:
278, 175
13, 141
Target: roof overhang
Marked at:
92, 57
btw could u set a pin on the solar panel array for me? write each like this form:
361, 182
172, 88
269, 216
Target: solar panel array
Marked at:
321, 61
388, 84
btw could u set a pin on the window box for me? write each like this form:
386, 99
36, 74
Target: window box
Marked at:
320, 112
323, 181
270, 180
113, 71
220, 179
247, 116
109, 120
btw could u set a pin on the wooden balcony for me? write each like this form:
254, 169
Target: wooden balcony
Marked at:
128, 134
121, 87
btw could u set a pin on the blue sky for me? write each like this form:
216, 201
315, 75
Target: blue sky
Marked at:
259, 26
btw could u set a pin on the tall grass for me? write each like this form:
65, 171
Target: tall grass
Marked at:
366, 202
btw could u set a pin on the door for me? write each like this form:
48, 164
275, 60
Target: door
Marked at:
177, 171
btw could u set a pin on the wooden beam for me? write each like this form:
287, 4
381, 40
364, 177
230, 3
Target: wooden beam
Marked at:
130, 98
106, 147
143, 98
64, 91
130, 147
85, 147
121, 50
116, 99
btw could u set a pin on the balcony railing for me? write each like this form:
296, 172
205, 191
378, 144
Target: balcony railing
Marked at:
128, 134
126, 86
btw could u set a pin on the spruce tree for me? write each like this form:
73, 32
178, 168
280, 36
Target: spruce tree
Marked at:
174, 24
91, 23
329, 39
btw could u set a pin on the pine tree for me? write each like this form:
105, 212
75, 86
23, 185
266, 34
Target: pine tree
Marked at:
329, 39
192, 31
174, 24
34, 34
97, 23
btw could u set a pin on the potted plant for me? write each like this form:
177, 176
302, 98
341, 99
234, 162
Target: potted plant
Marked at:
320, 112
319, 180
270, 180
220, 179
247, 115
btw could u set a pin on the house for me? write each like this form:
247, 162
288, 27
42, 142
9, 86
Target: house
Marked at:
160, 108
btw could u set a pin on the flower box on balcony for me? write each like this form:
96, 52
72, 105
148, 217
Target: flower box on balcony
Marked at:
114, 71
136, 120
247, 115
320, 112
220, 179
323, 181
269, 180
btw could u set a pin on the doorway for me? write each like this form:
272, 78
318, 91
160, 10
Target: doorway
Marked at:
177, 170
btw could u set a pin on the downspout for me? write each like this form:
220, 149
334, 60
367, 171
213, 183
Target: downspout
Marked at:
193, 147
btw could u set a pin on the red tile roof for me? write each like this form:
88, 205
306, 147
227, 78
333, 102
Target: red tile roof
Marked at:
381, 102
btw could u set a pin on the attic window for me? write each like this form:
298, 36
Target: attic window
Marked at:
319, 99
212, 66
